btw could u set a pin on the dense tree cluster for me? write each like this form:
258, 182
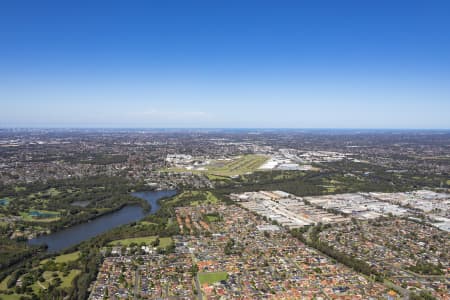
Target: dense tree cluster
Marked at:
426, 268
310, 236
344, 177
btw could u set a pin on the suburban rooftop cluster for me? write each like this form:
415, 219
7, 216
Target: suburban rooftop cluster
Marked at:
412, 255
149, 276
229, 252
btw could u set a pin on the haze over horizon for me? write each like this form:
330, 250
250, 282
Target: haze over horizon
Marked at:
257, 64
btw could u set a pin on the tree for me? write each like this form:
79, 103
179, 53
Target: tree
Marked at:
156, 242
194, 270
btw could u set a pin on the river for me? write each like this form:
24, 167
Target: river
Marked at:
71, 236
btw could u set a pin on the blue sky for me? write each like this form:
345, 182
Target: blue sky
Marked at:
296, 64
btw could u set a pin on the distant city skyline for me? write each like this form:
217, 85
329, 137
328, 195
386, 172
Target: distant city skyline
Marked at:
289, 64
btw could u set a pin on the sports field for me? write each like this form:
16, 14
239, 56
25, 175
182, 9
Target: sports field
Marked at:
212, 277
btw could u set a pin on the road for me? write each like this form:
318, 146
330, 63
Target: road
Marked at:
136, 283
197, 281
197, 285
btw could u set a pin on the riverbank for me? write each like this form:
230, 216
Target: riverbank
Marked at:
76, 234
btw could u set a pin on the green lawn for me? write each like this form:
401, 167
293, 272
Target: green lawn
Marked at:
212, 218
52, 192
67, 257
218, 178
27, 217
39, 196
210, 199
3, 286
64, 258
66, 281
195, 198
212, 277
146, 223
163, 242
236, 166
10, 297
329, 188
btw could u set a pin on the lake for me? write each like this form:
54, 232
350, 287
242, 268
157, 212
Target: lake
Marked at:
71, 236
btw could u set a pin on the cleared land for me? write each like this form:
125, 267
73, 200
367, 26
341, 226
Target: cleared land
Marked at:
163, 242
228, 168
211, 277
239, 166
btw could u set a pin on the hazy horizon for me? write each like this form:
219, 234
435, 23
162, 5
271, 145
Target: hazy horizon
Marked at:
56, 128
